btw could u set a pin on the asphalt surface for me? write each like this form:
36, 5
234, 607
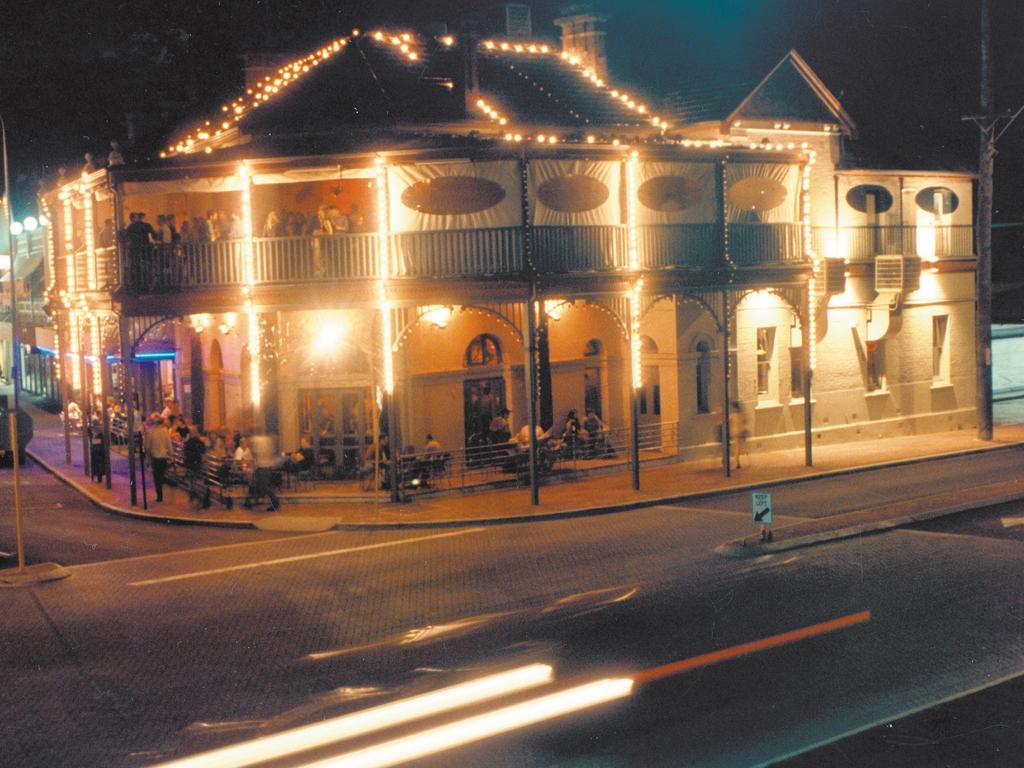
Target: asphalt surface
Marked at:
62, 526
141, 658
979, 729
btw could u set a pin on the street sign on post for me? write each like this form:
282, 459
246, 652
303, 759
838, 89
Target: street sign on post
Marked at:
761, 507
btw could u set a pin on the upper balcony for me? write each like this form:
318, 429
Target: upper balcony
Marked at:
458, 254
560, 213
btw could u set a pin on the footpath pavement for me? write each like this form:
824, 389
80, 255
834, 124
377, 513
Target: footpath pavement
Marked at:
591, 495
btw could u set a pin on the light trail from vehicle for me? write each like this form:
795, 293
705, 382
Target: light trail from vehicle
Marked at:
744, 649
369, 720
479, 727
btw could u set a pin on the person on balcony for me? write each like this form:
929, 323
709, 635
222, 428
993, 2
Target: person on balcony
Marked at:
108, 234
116, 156
273, 226
139, 235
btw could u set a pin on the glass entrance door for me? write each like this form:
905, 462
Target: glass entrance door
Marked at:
336, 422
481, 399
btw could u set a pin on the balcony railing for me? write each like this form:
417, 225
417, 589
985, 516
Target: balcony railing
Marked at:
579, 249
447, 254
459, 253
755, 244
679, 245
866, 242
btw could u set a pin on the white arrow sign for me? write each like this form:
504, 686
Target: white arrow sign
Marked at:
761, 507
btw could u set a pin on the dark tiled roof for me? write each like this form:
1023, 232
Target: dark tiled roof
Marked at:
543, 90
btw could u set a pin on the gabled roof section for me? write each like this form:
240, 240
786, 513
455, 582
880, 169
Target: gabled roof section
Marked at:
792, 91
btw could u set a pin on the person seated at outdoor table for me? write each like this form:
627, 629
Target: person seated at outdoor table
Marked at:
243, 455
302, 459
498, 431
571, 437
522, 437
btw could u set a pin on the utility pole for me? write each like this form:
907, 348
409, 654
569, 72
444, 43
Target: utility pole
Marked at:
991, 126
983, 280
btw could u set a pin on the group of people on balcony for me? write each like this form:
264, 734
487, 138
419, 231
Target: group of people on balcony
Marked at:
328, 220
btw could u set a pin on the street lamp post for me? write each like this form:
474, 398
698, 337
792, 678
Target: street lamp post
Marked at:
15, 354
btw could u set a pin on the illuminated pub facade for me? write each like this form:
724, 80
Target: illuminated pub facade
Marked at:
522, 220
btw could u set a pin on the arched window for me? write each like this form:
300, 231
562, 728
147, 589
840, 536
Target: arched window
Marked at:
703, 377
484, 350
647, 344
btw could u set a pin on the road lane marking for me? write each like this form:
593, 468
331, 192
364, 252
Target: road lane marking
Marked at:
1009, 522
369, 720
733, 652
297, 558
211, 548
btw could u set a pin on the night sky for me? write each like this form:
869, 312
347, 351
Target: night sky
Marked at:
75, 73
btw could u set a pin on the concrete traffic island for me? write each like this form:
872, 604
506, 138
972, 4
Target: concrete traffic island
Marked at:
30, 575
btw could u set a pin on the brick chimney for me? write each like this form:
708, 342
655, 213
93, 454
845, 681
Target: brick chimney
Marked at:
583, 35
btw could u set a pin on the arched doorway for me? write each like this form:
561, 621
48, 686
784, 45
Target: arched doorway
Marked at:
483, 396
650, 393
702, 376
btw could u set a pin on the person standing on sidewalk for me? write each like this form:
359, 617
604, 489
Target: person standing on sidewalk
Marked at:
264, 460
158, 448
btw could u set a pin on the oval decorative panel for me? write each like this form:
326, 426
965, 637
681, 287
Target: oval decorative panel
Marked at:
669, 194
572, 193
757, 193
452, 195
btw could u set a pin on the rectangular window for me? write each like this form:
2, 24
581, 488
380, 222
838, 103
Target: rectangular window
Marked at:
796, 372
940, 349
875, 358
765, 348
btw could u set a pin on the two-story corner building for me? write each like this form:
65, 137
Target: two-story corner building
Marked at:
35, 348
410, 232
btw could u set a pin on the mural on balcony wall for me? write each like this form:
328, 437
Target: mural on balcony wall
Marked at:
572, 193
454, 195
762, 193
669, 194
575, 192
676, 193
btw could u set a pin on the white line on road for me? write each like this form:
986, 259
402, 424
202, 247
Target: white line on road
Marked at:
1009, 522
296, 558
213, 548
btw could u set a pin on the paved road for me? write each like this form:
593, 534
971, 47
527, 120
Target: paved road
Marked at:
859, 490
62, 526
141, 658
980, 729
